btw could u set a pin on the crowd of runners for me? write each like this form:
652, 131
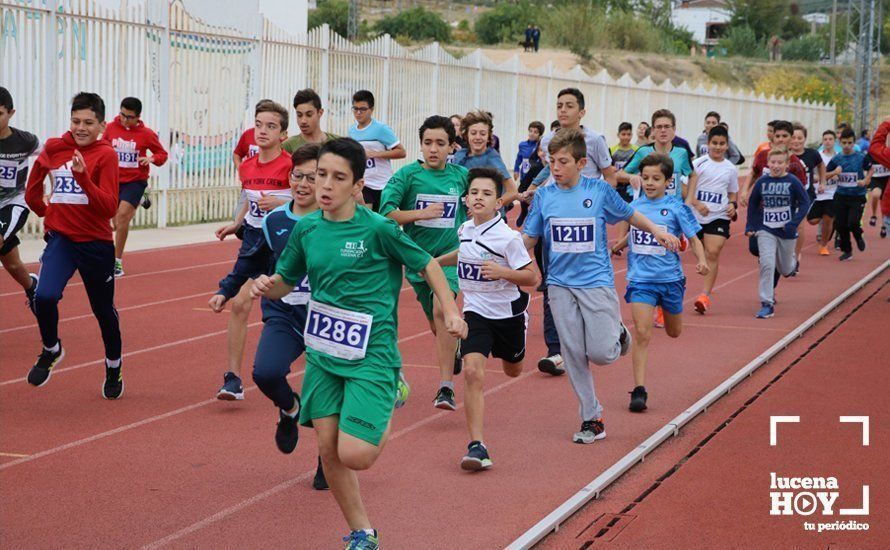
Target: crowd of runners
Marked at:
329, 230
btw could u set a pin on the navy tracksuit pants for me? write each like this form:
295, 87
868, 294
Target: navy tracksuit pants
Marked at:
94, 260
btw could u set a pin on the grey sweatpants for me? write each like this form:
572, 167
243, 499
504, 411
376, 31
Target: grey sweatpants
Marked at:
775, 253
588, 321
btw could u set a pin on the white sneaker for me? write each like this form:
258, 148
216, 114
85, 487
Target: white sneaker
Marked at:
553, 365
118, 269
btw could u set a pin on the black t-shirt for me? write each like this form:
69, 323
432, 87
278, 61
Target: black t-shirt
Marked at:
14, 153
811, 159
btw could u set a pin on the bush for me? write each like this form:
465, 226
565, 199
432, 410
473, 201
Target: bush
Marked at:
782, 82
333, 12
505, 23
581, 35
805, 48
416, 24
741, 41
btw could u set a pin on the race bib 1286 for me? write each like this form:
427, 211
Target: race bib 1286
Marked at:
337, 332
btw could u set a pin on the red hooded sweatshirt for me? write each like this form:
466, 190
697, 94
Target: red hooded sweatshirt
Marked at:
132, 143
82, 204
878, 149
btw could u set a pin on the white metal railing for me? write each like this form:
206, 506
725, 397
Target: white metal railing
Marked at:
199, 79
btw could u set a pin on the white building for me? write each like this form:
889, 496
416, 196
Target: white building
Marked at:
706, 19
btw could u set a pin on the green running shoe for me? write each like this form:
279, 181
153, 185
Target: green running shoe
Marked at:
402, 391
360, 540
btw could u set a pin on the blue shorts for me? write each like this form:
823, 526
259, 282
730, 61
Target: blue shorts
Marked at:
667, 295
132, 192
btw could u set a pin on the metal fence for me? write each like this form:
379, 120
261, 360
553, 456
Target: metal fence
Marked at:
199, 77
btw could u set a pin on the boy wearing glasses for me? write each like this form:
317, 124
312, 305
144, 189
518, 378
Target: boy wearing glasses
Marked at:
381, 147
131, 140
265, 185
663, 131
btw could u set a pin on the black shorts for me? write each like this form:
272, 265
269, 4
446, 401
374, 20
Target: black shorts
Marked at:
372, 197
132, 192
12, 219
821, 208
501, 338
878, 183
719, 227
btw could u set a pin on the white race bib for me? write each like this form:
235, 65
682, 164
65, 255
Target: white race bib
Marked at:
300, 295
643, 242
573, 235
469, 275
8, 173
370, 164
66, 190
337, 332
711, 198
127, 158
881, 171
848, 179
449, 214
777, 216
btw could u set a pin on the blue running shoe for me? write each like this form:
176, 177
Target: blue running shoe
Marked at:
232, 390
476, 458
766, 311
360, 540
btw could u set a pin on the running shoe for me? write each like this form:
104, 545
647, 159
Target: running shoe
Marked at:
638, 399
31, 293
823, 251
860, 243
403, 390
553, 365
43, 368
624, 339
702, 303
445, 399
118, 268
883, 231
146, 201
319, 483
287, 433
231, 390
476, 458
591, 430
360, 540
659, 317
766, 311
113, 387
873, 221
845, 256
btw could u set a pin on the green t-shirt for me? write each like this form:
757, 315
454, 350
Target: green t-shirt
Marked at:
413, 187
353, 265
291, 144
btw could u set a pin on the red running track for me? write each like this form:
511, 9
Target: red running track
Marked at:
717, 494
169, 465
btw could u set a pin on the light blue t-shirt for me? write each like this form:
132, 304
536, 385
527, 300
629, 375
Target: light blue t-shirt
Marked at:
647, 260
376, 136
489, 159
682, 165
573, 225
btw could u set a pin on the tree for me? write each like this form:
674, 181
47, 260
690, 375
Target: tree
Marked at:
417, 24
505, 23
333, 12
764, 17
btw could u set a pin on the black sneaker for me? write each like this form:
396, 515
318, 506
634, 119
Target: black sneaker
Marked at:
232, 390
43, 368
591, 430
458, 360
445, 399
638, 399
113, 387
31, 293
320, 483
873, 221
287, 433
553, 365
146, 201
625, 339
476, 458
860, 243
883, 231
845, 256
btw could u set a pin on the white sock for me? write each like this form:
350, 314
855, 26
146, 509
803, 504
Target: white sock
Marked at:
118, 260
447, 384
370, 532
293, 414
113, 363
54, 349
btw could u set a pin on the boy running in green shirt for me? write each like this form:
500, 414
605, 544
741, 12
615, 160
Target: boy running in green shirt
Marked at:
427, 199
352, 360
